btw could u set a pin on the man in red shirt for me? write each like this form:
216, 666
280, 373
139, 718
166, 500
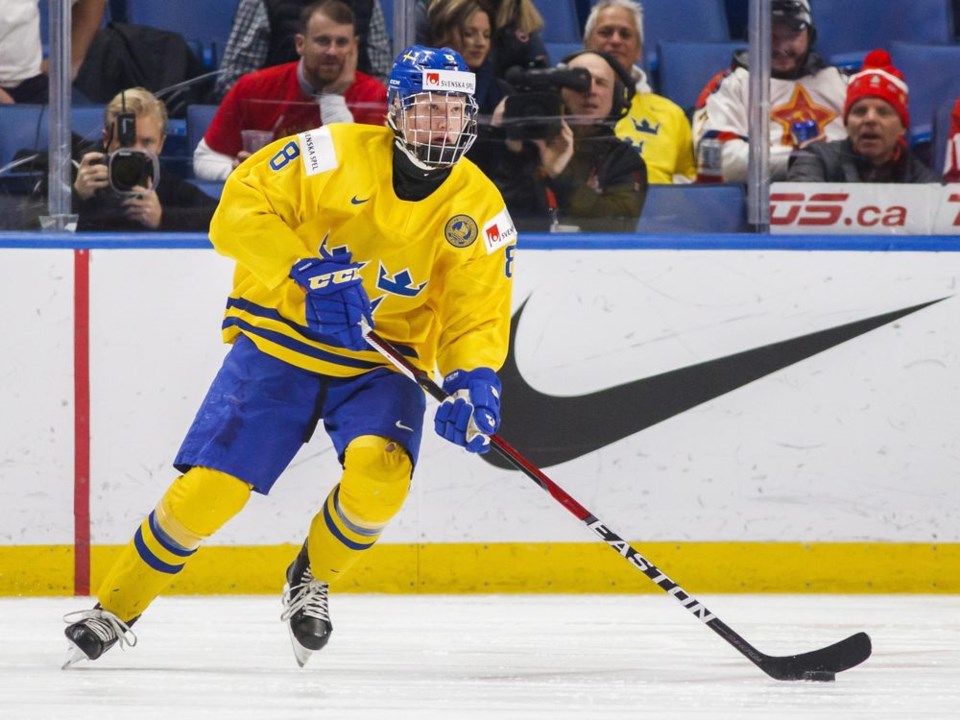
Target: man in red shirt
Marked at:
951, 167
323, 87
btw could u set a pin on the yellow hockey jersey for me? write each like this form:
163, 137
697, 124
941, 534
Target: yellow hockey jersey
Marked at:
658, 129
438, 271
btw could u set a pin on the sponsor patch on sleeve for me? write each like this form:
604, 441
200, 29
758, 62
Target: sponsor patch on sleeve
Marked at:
499, 231
317, 149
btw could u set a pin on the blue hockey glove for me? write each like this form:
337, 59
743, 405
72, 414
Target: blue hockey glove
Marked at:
472, 412
336, 300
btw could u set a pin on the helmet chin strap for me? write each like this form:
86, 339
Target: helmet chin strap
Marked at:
405, 148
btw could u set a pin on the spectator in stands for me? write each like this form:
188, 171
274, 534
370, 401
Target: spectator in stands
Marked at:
657, 128
169, 204
877, 119
465, 26
264, 34
323, 87
23, 69
517, 39
802, 88
951, 166
515, 35
579, 175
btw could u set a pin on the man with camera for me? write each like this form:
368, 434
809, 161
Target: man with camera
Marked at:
117, 186
564, 168
655, 126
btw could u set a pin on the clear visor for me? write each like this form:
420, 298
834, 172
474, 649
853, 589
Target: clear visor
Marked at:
434, 128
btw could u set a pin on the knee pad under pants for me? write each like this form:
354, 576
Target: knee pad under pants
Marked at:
372, 489
198, 503
195, 505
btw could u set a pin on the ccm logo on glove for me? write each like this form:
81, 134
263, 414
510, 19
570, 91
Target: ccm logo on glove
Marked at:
336, 300
337, 277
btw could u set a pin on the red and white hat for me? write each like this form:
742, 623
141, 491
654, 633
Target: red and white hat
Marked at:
879, 79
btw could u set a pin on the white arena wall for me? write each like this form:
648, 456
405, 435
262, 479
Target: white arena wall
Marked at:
836, 473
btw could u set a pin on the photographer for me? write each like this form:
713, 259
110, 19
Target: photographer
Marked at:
118, 187
564, 168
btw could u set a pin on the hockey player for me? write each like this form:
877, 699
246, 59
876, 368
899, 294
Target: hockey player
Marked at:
337, 225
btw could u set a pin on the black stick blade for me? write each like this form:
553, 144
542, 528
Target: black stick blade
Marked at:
819, 665
835, 658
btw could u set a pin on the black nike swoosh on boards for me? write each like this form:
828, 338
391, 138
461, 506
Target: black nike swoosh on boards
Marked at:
550, 429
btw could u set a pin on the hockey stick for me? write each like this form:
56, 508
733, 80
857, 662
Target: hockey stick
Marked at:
822, 664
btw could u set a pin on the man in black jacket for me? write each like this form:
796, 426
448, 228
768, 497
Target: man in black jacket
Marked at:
875, 150
582, 177
117, 185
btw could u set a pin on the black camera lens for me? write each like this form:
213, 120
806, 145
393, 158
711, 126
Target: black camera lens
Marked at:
533, 115
131, 168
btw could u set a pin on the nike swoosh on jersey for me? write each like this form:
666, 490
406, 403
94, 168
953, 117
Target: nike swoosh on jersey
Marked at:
357, 201
550, 429
403, 427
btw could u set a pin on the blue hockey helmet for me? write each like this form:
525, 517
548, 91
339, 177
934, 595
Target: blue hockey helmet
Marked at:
432, 111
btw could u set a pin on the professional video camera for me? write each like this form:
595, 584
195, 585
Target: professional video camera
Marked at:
534, 112
127, 168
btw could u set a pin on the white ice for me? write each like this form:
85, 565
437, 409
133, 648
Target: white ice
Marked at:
398, 657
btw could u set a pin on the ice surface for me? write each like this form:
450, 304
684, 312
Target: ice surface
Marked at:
399, 657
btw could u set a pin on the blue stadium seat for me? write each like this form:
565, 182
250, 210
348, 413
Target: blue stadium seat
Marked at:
212, 188
198, 120
22, 127
686, 67
737, 16
556, 51
87, 121
848, 29
561, 24
941, 133
27, 127
933, 74
206, 21
689, 20
672, 209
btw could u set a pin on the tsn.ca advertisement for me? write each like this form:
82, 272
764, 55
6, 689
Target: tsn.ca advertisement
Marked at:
864, 209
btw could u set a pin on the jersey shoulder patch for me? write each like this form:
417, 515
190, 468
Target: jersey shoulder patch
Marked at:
499, 231
319, 153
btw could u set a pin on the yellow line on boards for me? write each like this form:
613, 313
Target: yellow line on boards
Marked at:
700, 567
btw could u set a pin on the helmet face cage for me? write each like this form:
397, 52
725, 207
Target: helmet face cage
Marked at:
431, 107
435, 129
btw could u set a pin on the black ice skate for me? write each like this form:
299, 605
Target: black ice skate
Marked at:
306, 611
92, 632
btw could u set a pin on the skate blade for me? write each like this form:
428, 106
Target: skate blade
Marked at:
74, 655
300, 653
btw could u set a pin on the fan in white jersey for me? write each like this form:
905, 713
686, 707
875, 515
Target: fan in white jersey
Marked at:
803, 89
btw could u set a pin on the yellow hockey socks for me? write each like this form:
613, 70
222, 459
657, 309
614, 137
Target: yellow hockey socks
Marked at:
374, 484
195, 506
